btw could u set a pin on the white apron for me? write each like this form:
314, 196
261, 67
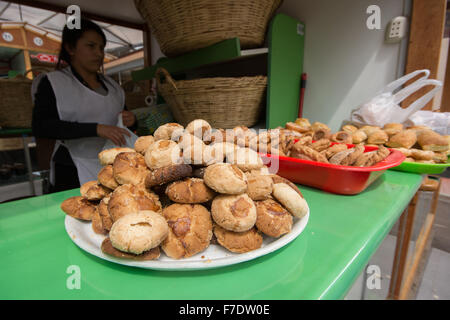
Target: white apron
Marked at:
77, 103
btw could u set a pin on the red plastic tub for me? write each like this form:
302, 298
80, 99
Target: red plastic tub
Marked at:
330, 177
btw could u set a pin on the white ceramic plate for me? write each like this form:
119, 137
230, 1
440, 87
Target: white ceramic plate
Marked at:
215, 256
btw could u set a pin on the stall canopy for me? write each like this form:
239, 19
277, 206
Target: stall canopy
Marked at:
122, 39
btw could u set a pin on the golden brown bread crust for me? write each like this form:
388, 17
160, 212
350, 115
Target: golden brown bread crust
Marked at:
377, 137
104, 213
321, 134
273, 219
130, 167
359, 136
259, 185
97, 223
404, 139
167, 174
142, 143
321, 144
190, 230
106, 177
430, 140
238, 242
79, 208
190, 190
349, 128
107, 156
331, 151
296, 127
108, 249
129, 198
93, 191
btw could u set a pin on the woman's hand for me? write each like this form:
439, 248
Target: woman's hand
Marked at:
128, 118
113, 133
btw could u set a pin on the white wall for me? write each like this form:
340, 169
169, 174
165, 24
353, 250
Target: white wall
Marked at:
345, 61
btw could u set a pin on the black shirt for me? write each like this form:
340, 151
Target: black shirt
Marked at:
47, 124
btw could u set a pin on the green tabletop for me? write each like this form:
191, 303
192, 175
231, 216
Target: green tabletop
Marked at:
322, 263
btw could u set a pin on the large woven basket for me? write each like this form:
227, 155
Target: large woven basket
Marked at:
182, 26
223, 102
16, 108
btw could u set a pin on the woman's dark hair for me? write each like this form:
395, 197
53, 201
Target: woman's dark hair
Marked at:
70, 37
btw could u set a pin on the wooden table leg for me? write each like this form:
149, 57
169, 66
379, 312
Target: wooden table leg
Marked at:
401, 249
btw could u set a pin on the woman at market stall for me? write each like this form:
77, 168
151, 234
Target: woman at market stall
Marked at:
79, 107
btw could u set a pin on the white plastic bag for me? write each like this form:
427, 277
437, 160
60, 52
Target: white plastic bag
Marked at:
130, 140
438, 121
384, 107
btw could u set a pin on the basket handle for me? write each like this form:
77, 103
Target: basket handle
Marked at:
167, 75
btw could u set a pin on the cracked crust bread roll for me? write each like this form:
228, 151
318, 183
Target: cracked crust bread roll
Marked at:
259, 185
189, 190
142, 143
234, 212
107, 157
93, 191
139, 232
163, 153
129, 198
106, 177
199, 128
190, 230
238, 242
272, 219
130, 167
168, 131
225, 178
79, 208
404, 139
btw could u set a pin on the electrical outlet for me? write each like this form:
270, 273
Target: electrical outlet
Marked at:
396, 29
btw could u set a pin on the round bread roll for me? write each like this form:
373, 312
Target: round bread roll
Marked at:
93, 191
188, 140
138, 232
222, 148
104, 213
168, 131
392, 128
190, 230
273, 220
377, 137
107, 156
238, 242
245, 159
163, 153
130, 167
190, 190
259, 185
290, 199
225, 178
316, 126
79, 208
129, 198
142, 143
297, 127
199, 128
349, 128
106, 177
303, 122
234, 212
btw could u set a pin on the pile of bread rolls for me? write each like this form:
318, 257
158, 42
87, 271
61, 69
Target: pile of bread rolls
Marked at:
181, 190
417, 143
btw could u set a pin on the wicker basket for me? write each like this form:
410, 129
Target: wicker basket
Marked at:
223, 102
16, 109
182, 26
